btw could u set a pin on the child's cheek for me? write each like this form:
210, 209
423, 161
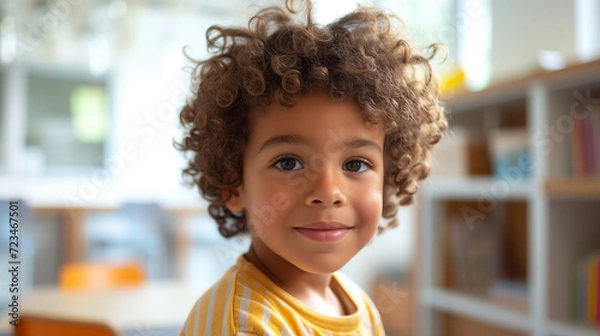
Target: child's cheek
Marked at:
370, 206
268, 208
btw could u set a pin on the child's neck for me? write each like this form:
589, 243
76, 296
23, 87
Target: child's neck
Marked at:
317, 291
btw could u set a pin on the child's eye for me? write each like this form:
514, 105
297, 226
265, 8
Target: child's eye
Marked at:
357, 166
287, 163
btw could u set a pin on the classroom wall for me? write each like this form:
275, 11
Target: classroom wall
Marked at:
522, 28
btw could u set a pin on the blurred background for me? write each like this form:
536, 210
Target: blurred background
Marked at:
89, 99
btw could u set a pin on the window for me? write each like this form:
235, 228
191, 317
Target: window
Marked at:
67, 120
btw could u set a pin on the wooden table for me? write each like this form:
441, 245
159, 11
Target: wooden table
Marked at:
153, 309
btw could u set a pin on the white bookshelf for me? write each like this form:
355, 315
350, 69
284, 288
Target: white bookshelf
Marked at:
562, 212
475, 187
475, 308
566, 329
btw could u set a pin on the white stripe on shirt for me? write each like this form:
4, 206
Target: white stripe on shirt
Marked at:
243, 313
211, 308
197, 314
226, 308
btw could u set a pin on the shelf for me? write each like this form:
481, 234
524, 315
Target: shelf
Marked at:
567, 329
515, 89
499, 93
78, 191
467, 306
554, 215
476, 188
573, 188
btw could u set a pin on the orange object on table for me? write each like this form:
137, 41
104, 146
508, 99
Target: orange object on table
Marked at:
91, 276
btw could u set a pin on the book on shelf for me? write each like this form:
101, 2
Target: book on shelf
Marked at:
475, 251
510, 150
477, 257
586, 296
512, 294
585, 143
459, 154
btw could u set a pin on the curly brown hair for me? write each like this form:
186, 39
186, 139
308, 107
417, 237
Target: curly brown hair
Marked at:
284, 54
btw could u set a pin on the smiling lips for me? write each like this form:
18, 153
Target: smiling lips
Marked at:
324, 231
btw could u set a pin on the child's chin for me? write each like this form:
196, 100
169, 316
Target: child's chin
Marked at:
324, 267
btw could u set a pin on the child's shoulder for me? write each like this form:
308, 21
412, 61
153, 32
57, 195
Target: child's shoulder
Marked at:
240, 300
238, 281
229, 303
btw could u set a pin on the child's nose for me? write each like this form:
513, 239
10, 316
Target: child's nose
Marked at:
326, 189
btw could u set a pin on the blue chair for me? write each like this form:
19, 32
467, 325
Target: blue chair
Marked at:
137, 231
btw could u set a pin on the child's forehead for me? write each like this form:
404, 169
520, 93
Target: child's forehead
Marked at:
314, 121
320, 102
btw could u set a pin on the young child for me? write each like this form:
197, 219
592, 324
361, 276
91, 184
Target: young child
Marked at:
305, 136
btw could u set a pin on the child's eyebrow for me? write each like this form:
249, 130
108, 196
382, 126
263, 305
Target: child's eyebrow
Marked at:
296, 139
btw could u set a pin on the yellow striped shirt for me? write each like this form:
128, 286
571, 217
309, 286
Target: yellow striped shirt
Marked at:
246, 302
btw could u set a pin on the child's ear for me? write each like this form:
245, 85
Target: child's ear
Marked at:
236, 201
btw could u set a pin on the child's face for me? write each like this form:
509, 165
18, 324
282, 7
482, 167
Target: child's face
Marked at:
317, 162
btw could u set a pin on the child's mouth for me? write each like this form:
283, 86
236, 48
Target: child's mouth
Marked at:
324, 232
